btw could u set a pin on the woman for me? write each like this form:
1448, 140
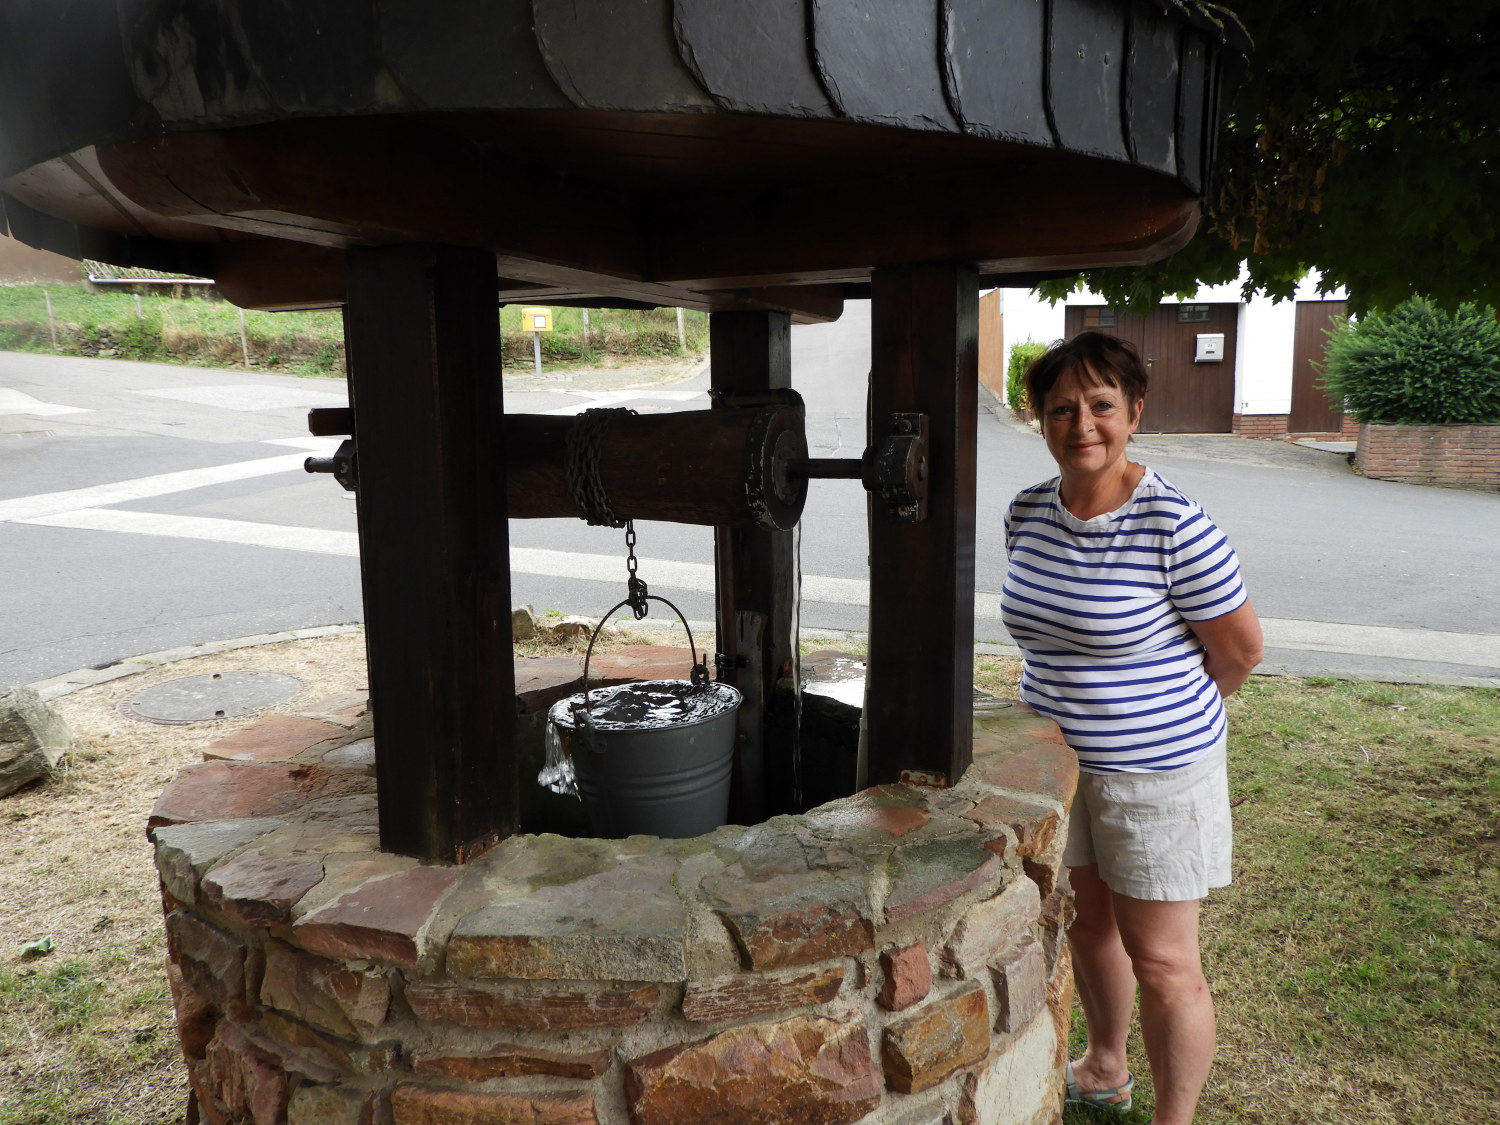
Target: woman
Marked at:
1127, 604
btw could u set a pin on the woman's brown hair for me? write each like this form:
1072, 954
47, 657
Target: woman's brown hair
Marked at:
1098, 358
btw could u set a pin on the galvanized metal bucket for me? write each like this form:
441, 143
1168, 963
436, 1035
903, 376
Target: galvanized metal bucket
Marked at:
656, 775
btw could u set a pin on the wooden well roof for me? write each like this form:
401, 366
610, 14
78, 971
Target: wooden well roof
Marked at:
692, 152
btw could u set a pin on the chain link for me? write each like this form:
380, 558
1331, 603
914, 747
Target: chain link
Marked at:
633, 584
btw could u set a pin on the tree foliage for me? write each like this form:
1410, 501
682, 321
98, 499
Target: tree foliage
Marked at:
1364, 143
1022, 356
1417, 365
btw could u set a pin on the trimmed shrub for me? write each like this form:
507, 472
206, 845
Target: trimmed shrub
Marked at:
1417, 366
1022, 356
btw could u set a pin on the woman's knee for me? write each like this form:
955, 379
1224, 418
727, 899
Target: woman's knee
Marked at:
1161, 939
1166, 969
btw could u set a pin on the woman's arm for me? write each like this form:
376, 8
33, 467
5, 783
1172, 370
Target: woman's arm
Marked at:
1232, 646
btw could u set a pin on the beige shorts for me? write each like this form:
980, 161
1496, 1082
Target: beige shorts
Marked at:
1164, 837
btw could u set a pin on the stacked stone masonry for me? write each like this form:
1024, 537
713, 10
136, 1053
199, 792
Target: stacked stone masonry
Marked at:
896, 956
1455, 456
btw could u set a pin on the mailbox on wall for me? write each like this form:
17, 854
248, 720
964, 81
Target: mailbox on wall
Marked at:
1210, 348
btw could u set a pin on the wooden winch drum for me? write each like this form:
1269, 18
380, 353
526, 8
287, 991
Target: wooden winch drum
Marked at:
725, 467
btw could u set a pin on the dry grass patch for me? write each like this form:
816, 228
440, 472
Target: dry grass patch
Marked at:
86, 1031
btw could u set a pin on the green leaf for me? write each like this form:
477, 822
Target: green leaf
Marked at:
39, 948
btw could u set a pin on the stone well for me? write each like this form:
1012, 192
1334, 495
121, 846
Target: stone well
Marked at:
895, 956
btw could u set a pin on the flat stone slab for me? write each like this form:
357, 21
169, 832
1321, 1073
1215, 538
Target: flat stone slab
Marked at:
625, 923
800, 1069
273, 739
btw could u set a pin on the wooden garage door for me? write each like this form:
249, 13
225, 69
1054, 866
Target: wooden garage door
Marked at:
1185, 397
1312, 412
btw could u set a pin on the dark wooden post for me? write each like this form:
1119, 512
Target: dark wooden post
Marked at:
924, 359
422, 328
755, 573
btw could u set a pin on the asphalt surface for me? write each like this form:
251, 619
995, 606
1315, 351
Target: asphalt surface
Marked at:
147, 507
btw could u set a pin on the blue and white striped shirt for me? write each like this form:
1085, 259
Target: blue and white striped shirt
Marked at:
1100, 609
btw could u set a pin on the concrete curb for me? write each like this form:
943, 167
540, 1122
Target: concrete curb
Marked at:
56, 687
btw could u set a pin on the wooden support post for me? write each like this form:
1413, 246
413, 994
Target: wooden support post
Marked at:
924, 359
422, 330
757, 588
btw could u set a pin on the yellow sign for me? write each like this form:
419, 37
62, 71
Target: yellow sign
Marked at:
536, 320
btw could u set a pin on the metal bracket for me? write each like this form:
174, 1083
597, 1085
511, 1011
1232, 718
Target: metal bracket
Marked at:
724, 662
896, 473
894, 470
344, 465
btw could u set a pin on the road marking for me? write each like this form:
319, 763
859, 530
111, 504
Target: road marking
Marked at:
19, 402
25, 508
251, 396
243, 532
324, 445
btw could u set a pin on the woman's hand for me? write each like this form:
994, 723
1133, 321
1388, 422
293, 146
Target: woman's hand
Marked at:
1232, 646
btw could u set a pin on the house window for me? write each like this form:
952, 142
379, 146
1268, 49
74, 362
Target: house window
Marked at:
1099, 316
1191, 314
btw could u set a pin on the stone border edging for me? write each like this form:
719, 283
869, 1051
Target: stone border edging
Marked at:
55, 687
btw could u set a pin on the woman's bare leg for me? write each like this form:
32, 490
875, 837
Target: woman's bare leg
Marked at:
1177, 1012
1105, 979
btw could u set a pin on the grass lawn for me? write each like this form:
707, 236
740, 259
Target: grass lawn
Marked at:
163, 329
1355, 961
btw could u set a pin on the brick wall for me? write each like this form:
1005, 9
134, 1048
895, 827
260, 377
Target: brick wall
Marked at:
1260, 425
1278, 426
1454, 456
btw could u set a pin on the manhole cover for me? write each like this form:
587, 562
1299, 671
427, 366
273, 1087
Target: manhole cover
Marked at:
209, 698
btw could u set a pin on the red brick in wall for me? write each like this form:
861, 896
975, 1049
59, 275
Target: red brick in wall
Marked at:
1454, 456
1277, 426
1260, 425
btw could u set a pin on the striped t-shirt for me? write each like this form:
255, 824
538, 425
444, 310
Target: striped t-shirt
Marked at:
1100, 609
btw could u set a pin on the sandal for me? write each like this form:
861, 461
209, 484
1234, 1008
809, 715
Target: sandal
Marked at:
1115, 1100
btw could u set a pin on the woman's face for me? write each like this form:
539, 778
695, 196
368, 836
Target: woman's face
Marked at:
1087, 424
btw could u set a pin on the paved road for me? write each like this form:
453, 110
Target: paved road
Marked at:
145, 507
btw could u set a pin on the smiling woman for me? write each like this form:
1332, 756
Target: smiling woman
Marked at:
1127, 603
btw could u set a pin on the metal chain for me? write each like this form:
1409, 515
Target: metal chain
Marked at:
633, 584
582, 469
581, 466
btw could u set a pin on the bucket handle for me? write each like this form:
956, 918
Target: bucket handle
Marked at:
698, 676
